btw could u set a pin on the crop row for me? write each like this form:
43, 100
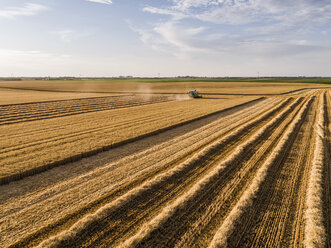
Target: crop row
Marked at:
315, 234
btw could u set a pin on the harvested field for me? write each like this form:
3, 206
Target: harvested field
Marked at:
225, 172
158, 86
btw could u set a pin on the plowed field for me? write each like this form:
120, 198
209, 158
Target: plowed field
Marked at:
251, 174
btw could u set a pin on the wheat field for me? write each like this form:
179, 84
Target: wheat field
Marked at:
142, 165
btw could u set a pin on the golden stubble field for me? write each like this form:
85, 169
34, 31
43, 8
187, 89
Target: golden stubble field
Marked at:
104, 164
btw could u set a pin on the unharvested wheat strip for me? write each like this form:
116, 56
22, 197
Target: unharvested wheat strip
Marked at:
181, 202
315, 234
103, 211
228, 225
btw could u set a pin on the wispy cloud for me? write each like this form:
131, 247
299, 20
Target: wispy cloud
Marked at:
29, 9
250, 11
68, 35
101, 1
182, 37
262, 26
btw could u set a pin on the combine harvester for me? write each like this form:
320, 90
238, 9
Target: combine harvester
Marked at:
194, 94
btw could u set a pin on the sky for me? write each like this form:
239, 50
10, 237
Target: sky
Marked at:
151, 38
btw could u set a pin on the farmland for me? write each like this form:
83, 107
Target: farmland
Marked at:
138, 164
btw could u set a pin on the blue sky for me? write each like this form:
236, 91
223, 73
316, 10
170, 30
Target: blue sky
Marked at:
170, 37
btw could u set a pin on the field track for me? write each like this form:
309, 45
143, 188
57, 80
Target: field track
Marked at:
16, 113
243, 180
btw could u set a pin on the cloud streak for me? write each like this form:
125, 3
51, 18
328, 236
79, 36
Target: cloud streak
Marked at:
29, 9
101, 1
68, 35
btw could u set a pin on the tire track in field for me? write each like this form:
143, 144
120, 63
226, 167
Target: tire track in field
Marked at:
270, 220
227, 123
188, 173
16, 113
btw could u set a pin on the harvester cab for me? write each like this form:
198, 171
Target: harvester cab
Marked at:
194, 94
